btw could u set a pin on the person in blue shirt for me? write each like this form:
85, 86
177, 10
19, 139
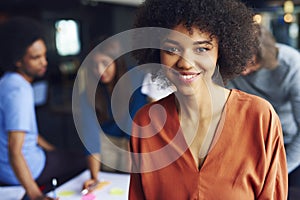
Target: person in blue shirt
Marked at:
275, 76
27, 159
105, 103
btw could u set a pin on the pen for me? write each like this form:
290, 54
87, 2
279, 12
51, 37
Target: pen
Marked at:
89, 188
54, 184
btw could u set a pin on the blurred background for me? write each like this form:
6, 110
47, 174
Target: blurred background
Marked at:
71, 26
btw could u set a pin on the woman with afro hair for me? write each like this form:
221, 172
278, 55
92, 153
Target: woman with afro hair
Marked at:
203, 141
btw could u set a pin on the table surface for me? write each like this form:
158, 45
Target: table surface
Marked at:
113, 186
11, 192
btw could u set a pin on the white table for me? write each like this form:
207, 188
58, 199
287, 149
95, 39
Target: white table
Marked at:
11, 192
116, 189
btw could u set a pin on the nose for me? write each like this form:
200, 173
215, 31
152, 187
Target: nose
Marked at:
184, 62
44, 61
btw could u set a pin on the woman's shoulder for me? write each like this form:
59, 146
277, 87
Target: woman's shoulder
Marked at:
248, 102
254, 111
156, 106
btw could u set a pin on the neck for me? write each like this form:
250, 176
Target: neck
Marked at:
204, 105
25, 76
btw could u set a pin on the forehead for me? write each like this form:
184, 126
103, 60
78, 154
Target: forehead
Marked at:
36, 47
100, 56
182, 35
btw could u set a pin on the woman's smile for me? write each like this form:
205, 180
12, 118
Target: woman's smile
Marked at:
188, 77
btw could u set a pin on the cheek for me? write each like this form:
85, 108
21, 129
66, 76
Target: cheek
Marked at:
96, 72
207, 60
206, 65
163, 58
31, 65
171, 74
167, 60
111, 71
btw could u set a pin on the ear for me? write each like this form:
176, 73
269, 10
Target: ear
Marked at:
18, 63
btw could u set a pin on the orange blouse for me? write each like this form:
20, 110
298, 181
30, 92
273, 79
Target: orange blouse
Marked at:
246, 159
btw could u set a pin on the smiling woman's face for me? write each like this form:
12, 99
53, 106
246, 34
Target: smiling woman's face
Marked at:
190, 60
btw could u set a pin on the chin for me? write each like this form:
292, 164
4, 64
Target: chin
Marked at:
39, 75
186, 91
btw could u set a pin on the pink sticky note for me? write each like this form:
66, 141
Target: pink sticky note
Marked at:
89, 196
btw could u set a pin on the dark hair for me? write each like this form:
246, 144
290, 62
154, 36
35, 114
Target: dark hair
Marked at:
229, 21
111, 48
267, 53
16, 35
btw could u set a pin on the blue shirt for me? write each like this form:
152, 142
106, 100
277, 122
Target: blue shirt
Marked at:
87, 123
281, 87
17, 113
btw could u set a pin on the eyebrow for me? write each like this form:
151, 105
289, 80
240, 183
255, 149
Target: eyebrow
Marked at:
194, 43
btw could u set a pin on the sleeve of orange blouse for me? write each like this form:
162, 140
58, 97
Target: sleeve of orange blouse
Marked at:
276, 180
135, 188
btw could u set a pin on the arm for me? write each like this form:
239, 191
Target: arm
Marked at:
44, 144
293, 148
93, 161
88, 130
19, 165
94, 165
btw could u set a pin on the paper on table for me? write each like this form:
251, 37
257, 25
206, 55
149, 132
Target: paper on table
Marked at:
12, 192
90, 196
108, 182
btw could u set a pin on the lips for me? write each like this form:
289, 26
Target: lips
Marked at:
43, 70
188, 76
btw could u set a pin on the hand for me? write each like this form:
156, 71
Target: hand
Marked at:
89, 185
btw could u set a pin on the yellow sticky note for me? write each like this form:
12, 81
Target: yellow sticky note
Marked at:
66, 193
116, 191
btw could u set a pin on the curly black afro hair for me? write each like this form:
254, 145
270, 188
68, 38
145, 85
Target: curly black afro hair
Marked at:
16, 35
229, 21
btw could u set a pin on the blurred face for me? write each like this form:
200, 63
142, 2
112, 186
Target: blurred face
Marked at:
190, 60
105, 67
34, 62
251, 67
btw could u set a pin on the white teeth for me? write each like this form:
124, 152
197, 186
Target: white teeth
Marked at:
187, 77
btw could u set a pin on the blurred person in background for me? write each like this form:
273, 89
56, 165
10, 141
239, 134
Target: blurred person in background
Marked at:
106, 143
274, 75
27, 159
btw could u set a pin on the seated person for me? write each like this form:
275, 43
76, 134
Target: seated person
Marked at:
26, 158
105, 107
